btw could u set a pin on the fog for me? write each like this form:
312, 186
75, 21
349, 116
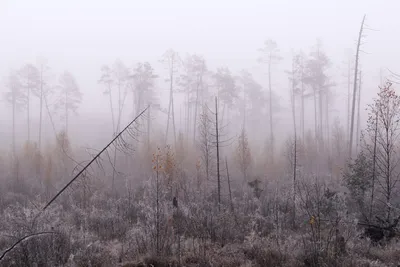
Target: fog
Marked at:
254, 58
82, 36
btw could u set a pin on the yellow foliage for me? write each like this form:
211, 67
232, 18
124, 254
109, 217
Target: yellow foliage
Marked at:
312, 220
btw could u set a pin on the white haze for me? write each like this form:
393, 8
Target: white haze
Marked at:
81, 36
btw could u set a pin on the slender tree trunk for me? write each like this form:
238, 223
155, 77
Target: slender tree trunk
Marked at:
302, 112
270, 110
229, 184
148, 128
13, 124
119, 107
195, 109
157, 209
294, 179
321, 113
244, 170
373, 167
66, 111
348, 99
169, 114
244, 107
40, 109
171, 105
28, 110
358, 116
328, 138
188, 114
315, 114
302, 101
173, 118
295, 145
217, 136
117, 130
355, 88
112, 110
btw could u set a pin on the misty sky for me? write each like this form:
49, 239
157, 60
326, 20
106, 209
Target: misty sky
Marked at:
82, 35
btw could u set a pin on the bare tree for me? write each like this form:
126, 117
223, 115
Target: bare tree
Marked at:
217, 146
171, 59
358, 115
16, 97
353, 107
270, 56
41, 91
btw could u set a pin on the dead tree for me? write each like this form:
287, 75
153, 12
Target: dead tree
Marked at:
217, 146
358, 116
16, 97
292, 97
270, 56
229, 184
117, 141
360, 34
171, 58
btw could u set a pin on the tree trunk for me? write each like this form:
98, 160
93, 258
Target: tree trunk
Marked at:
13, 123
148, 128
373, 167
28, 109
348, 98
315, 114
171, 105
229, 184
188, 113
173, 118
302, 112
295, 145
66, 111
157, 210
112, 110
270, 111
321, 114
40, 109
169, 114
358, 116
355, 88
302, 101
327, 122
218, 173
195, 109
